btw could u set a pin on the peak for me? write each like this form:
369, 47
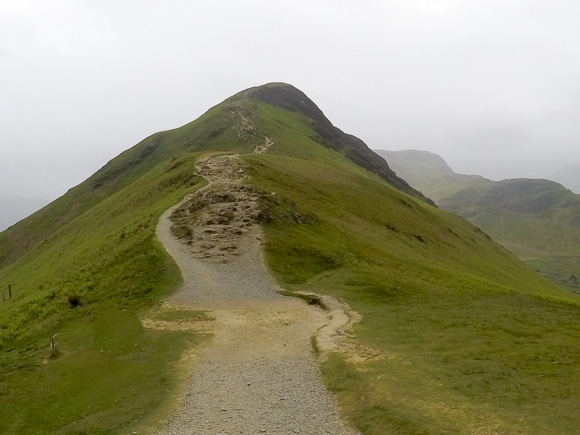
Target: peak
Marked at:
278, 89
288, 97
285, 96
274, 88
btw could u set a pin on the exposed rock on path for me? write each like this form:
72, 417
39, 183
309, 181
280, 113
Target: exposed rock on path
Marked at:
258, 374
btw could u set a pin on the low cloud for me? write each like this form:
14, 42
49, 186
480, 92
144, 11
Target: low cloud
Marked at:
489, 85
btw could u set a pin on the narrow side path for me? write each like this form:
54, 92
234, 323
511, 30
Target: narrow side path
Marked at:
258, 374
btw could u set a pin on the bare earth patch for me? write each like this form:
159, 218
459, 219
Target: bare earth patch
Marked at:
258, 373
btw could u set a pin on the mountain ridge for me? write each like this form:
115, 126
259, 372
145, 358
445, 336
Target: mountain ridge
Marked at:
447, 314
288, 97
223, 128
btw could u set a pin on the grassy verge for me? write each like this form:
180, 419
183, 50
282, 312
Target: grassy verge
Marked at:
486, 362
108, 374
457, 335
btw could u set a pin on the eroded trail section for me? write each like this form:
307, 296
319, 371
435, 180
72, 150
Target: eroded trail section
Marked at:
258, 373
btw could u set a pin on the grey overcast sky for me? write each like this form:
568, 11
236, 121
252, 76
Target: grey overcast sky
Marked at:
493, 86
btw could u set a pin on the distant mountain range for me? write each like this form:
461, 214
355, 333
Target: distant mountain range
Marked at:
538, 220
14, 209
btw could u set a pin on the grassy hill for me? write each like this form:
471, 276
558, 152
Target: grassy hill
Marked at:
457, 334
538, 220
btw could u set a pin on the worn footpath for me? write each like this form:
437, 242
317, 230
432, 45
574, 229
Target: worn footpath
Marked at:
258, 372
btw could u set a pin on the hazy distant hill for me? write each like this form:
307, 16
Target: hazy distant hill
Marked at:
14, 209
539, 220
430, 171
456, 334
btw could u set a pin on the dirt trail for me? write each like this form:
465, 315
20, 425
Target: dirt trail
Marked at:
258, 374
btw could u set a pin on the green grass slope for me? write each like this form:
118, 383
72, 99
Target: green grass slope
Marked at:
538, 220
457, 334
108, 371
97, 245
91, 256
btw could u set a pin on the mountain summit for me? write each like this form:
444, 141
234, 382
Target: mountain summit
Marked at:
276, 116
243, 122
288, 97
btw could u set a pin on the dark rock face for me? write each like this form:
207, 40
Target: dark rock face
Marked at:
290, 98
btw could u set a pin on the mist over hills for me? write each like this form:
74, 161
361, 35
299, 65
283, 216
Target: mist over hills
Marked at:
427, 170
447, 315
539, 220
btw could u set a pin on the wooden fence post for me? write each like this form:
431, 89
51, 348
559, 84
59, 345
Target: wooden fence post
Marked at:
53, 345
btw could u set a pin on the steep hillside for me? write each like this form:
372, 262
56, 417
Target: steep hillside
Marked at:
326, 134
457, 334
239, 124
538, 220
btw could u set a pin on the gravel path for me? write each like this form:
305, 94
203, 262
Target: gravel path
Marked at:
258, 374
